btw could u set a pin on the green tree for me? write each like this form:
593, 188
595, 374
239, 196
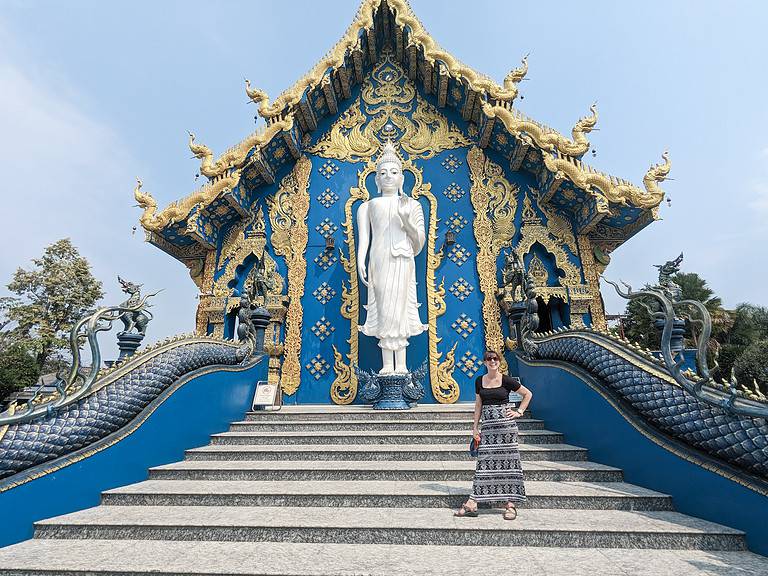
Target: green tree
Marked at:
18, 370
51, 297
638, 325
752, 366
6, 331
750, 323
694, 287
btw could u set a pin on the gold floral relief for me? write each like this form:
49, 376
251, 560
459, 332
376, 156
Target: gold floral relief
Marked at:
344, 385
346, 140
391, 103
288, 215
592, 279
494, 201
427, 132
533, 231
558, 226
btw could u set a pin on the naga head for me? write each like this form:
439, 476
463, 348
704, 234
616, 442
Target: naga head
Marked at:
515, 76
669, 267
129, 287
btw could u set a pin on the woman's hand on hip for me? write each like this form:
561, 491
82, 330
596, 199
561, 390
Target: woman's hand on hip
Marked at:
513, 413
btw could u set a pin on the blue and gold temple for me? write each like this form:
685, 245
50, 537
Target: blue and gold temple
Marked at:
645, 454
489, 180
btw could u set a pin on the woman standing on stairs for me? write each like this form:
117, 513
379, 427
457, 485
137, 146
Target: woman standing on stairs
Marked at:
498, 473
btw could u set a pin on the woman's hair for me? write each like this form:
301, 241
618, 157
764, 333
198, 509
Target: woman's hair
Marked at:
491, 353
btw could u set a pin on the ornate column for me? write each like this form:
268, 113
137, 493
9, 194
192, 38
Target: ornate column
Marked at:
592, 278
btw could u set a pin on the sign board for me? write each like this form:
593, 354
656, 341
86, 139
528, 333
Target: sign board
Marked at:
266, 395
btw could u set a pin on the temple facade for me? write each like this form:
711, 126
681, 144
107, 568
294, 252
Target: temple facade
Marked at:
276, 218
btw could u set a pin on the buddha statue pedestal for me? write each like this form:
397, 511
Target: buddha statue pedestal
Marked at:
390, 391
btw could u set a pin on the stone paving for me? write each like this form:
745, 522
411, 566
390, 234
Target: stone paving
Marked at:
332, 491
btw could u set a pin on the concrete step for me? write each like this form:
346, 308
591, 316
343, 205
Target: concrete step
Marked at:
340, 470
551, 452
373, 437
192, 558
377, 494
366, 413
562, 528
464, 424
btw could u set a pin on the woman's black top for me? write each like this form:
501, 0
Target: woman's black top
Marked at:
498, 395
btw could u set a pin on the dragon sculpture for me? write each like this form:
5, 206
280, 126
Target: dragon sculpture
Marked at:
91, 404
723, 423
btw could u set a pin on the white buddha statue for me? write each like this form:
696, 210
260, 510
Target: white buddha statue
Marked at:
392, 226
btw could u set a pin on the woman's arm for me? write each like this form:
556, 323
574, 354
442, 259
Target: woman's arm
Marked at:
527, 395
478, 409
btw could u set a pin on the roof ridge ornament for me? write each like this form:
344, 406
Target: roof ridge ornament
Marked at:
517, 125
257, 96
516, 75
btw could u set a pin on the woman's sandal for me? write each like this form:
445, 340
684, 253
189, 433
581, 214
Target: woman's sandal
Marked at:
510, 513
465, 511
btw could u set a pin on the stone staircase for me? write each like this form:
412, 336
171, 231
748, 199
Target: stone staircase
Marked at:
347, 490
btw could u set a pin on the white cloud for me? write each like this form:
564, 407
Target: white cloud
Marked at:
68, 174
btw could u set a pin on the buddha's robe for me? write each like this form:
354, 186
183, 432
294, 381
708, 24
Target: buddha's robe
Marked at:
392, 312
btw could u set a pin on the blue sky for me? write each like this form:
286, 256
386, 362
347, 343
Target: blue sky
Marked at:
93, 94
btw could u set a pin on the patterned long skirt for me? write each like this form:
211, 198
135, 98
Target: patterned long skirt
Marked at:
498, 474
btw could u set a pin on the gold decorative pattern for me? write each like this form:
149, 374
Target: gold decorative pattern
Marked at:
545, 138
538, 271
178, 211
533, 231
346, 140
592, 279
344, 386
609, 188
494, 202
288, 216
427, 132
389, 99
444, 386
558, 226
418, 37
237, 246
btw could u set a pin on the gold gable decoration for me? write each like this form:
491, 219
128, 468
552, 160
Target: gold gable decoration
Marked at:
533, 231
389, 98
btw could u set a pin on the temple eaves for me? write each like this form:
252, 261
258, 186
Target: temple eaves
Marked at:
554, 158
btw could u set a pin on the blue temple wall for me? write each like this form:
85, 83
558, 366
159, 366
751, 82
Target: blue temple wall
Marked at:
462, 324
184, 416
572, 402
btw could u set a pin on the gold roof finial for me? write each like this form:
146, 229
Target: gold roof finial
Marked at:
516, 75
657, 173
145, 201
586, 124
199, 150
256, 95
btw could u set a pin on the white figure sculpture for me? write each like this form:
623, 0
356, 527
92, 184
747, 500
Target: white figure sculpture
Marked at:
393, 226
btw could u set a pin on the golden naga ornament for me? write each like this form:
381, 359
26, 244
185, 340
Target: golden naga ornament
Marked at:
288, 216
610, 188
545, 138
